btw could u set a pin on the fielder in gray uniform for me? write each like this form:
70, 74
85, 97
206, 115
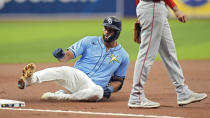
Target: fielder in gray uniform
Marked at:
156, 37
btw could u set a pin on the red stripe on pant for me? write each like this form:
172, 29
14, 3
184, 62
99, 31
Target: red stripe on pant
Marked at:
147, 49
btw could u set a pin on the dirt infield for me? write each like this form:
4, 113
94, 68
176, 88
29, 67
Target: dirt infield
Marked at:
158, 88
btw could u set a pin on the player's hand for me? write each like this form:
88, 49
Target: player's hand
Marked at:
58, 53
180, 15
107, 91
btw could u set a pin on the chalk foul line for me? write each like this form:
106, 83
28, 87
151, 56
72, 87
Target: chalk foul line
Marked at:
90, 113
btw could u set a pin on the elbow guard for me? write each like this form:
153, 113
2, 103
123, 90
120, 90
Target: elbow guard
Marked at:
115, 78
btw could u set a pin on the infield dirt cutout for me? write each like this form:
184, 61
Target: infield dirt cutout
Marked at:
158, 88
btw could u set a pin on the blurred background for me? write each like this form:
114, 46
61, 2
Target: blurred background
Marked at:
31, 29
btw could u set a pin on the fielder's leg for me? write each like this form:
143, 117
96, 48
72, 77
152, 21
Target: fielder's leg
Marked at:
167, 52
152, 25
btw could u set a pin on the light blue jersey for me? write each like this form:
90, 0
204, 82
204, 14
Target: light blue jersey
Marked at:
98, 63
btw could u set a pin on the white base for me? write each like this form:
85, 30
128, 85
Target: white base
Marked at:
11, 103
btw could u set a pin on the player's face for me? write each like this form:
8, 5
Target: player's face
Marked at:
108, 32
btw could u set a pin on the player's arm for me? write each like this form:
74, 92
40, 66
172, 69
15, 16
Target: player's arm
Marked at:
179, 14
68, 56
115, 85
72, 52
63, 56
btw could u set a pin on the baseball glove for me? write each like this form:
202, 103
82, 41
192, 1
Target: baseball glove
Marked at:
137, 32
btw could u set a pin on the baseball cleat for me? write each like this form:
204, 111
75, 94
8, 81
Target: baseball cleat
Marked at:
25, 79
48, 96
144, 104
58, 95
194, 97
52, 96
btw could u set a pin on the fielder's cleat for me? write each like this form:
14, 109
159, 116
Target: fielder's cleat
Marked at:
144, 104
25, 79
194, 97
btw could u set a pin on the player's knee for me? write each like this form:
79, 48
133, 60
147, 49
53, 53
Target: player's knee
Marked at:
100, 92
65, 70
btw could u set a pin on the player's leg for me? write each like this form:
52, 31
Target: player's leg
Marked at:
93, 93
30, 77
70, 78
167, 52
151, 22
78, 83
61, 75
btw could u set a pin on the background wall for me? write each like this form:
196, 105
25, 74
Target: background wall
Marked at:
71, 8
195, 8
90, 8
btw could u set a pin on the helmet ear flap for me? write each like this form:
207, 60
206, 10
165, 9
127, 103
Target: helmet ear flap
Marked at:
116, 35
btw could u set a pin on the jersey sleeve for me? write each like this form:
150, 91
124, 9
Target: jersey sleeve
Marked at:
137, 2
78, 48
122, 69
170, 3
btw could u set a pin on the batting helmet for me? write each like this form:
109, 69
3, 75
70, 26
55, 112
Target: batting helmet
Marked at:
113, 23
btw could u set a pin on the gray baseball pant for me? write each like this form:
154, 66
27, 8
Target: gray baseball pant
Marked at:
156, 37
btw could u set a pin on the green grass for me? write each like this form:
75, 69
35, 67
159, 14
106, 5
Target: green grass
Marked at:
192, 39
34, 41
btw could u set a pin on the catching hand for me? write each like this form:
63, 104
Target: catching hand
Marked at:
58, 53
137, 32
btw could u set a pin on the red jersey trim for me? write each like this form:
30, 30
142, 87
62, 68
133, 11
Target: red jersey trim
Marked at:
170, 3
137, 2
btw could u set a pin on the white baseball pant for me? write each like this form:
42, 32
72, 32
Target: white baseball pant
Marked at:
80, 86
